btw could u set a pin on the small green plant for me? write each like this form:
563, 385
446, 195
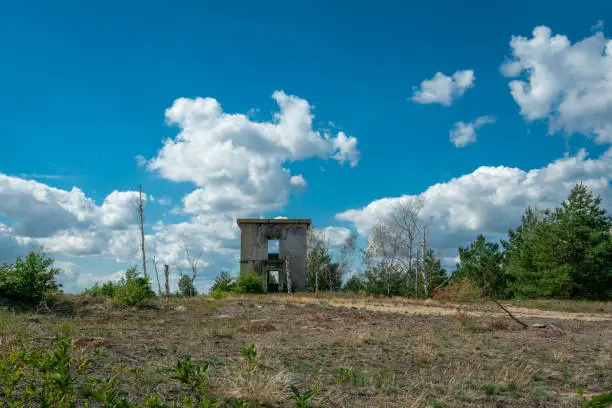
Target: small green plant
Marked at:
204, 402
250, 355
490, 389
217, 294
438, 404
106, 392
599, 401
191, 376
301, 400
343, 374
155, 401
240, 404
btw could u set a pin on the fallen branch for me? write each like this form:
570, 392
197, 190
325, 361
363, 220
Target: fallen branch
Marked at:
510, 314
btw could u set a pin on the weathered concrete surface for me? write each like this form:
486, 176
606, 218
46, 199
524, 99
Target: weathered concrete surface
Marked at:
292, 238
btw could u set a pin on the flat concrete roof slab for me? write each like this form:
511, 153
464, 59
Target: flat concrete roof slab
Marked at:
279, 221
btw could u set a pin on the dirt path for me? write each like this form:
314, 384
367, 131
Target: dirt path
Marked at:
445, 309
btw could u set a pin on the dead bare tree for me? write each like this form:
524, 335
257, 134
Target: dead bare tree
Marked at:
167, 275
157, 275
193, 262
405, 219
423, 268
140, 208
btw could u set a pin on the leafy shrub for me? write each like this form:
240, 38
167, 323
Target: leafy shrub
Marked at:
223, 283
107, 289
217, 294
461, 290
354, 284
249, 282
28, 280
134, 290
186, 287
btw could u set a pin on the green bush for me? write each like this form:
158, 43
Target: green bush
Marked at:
249, 282
223, 283
134, 290
131, 290
217, 294
28, 279
186, 288
107, 289
354, 284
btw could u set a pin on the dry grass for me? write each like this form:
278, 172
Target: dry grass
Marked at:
398, 352
259, 386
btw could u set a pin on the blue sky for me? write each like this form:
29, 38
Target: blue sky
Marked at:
86, 89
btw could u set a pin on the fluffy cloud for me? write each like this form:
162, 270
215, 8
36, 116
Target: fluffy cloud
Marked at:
463, 134
298, 181
38, 210
10, 247
569, 85
491, 199
443, 89
234, 160
64, 221
336, 236
237, 165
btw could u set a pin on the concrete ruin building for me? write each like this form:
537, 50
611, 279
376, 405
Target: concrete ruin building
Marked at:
257, 253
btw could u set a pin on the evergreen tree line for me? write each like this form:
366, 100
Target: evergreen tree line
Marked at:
560, 253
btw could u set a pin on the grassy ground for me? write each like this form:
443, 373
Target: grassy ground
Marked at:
356, 352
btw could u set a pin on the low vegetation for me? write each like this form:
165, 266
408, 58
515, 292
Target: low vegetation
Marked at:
131, 290
300, 351
28, 280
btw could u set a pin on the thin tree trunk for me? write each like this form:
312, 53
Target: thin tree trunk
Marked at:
409, 268
157, 276
416, 279
424, 270
142, 237
167, 274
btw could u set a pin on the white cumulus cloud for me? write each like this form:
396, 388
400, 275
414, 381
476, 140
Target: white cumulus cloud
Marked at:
444, 89
298, 181
568, 85
463, 134
491, 199
234, 160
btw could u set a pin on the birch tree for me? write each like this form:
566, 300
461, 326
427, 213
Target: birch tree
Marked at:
140, 209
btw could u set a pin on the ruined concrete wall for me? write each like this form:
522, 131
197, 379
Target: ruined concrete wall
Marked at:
253, 247
295, 246
292, 242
